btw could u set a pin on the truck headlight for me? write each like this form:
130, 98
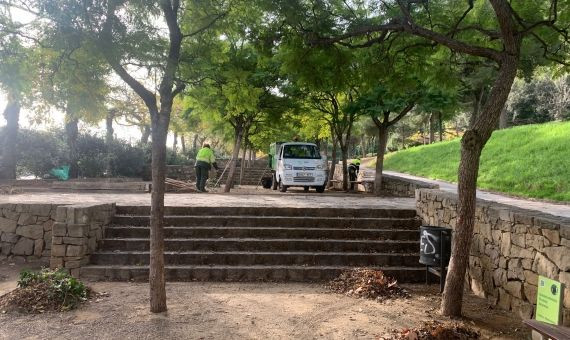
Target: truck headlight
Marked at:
288, 167
320, 167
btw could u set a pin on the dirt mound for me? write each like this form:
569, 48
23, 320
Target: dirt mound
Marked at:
433, 330
43, 292
367, 283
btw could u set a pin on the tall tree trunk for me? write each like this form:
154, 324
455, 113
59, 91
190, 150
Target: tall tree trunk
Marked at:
183, 144
145, 134
382, 142
472, 144
9, 151
503, 120
363, 146
109, 139
235, 154
72, 132
333, 161
403, 133
344, 153
195, 144
440, 126
157, 282
431, 123
175, 142
242, 165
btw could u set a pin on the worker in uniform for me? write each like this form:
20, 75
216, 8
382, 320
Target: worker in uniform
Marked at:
205, 159
353, 170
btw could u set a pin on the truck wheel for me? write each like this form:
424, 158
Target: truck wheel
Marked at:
282, 188
306, 189
274, 184
320, 189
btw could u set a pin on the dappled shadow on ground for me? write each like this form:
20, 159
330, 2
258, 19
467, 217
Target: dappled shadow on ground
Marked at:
246, 310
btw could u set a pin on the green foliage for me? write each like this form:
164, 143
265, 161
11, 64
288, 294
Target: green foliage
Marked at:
63, 289
529, 161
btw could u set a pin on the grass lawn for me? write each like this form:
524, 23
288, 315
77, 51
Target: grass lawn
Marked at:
529, 161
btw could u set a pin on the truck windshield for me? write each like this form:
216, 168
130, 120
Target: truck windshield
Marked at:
301, 151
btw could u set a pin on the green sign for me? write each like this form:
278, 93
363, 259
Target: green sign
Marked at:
549, 300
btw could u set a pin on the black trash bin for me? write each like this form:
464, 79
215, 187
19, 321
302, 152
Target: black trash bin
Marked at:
435, 251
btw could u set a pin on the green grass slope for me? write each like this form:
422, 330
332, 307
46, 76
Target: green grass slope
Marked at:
529, 161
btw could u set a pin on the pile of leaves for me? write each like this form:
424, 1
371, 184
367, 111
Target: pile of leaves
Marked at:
46, 290
367, 283
433, 330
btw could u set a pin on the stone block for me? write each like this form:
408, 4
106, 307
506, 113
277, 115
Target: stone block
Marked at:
514, 288
7, 225
565, 242
38, 247
520, 252
565, 279
61, 214
543, 266
24, 246
504, 301
26, 218
48, 225
56, 262
33, 232
11, 215
520, 229
515, 270
6, 248
72, 264
500, 277
523, 217
58, 250
552, 235
535, 241
75, 240
502, 262
522, 309
506, 244
75, 250
526, 264
566, 317
560, 256
518, 240
531, 277
57, 240
47, 236
530, 292
9, 237
78, 230
59, 229
41, 209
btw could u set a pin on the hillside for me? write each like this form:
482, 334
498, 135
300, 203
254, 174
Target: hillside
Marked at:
529, 161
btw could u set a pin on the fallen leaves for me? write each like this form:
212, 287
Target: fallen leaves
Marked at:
367, 283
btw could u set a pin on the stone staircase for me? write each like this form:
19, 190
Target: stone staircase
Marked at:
259, 243
251, 176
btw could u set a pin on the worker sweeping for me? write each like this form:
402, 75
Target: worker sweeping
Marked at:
205, 159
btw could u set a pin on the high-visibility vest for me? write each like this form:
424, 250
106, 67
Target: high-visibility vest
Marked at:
206, 155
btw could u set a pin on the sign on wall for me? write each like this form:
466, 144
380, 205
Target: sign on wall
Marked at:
549, 300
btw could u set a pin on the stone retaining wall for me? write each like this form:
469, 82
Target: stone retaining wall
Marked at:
26, 231
391, 185
511, 247
76, 234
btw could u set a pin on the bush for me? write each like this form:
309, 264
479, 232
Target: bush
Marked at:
40, 151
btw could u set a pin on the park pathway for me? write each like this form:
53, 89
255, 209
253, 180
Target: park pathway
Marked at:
546, 207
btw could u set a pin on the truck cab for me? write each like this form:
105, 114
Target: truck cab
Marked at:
297, 164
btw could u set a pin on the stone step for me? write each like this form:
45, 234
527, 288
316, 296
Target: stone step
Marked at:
241, 273
265, 232
236, 258
265, 244
271, 211
274, 221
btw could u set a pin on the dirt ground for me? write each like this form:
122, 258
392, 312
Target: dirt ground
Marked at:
209, 310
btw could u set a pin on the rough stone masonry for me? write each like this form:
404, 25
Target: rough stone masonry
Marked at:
511, 247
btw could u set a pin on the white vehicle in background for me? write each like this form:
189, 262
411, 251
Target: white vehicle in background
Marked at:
296, 164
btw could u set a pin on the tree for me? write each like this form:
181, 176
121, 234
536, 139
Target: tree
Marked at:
506, 33
17, 67
129, 34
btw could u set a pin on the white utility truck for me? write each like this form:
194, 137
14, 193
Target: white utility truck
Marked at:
296, 164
